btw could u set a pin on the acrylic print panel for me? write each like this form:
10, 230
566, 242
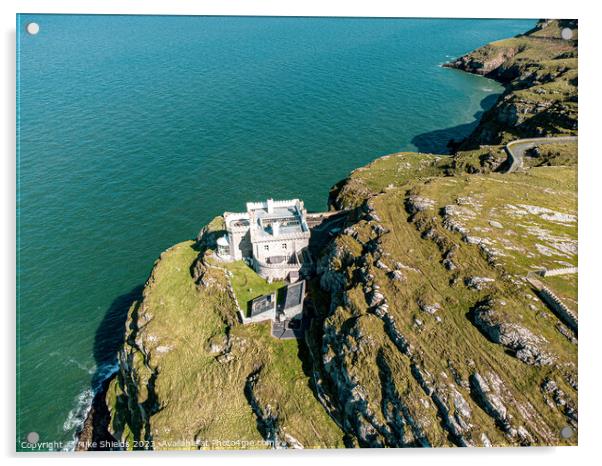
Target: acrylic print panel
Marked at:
263, 232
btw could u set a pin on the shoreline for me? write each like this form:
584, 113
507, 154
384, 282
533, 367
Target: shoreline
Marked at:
94, 431
94, 426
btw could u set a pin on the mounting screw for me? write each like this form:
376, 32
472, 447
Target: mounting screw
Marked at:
566, 33
32, 28
567, 432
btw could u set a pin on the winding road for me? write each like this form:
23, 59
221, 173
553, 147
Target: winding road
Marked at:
516, 149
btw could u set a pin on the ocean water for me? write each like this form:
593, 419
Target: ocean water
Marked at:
134, 131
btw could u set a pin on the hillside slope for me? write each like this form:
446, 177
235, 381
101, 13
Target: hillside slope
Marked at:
192, 377
433, 334
427, 332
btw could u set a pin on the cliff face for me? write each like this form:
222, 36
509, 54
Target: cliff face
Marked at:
433, 336
425, 332
539, 70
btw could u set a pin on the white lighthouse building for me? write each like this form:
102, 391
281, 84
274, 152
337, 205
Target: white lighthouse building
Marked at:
272, 235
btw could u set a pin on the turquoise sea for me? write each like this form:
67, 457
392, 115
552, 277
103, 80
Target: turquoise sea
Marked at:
134, 131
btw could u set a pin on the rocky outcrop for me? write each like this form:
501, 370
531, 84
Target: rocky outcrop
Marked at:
557, 398
492, 321
489, 60
489, 400
94, 434
267, 419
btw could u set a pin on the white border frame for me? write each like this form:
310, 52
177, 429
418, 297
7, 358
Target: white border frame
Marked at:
590, 170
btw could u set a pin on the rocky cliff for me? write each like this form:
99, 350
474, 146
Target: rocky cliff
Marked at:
433, 335
539, 69
192, 377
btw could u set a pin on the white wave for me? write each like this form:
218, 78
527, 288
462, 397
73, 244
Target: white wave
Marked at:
83, 403
89, 370
77, 415
104, 372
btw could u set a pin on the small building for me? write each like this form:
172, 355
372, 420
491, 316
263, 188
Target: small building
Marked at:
264, 305
273, 236
261, 309
283, 306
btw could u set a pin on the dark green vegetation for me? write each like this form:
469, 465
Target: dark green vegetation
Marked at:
426, 331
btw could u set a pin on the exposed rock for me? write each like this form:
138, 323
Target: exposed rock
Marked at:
526, 346
429, 308
381, 265
415, 204
449, 264
489, 400
525, 65
396, 275
478, 283
376, 298
556, 398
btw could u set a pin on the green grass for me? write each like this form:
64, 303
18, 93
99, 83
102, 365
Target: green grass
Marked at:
198, 397
405, 168
527, 49
387, 172
171, 331
553, 155
554, 29
565, 287
541, 94
248, 285
480, 160
545, 187
455, 341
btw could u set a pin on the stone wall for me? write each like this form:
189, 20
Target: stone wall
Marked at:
561, 271
556, 304
275, 271
258, 318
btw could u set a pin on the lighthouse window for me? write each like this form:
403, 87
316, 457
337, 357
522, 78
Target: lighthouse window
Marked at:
266, 247
283, 245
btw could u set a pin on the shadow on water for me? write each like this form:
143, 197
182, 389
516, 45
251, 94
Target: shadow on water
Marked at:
110, 334
442, 141
108, 340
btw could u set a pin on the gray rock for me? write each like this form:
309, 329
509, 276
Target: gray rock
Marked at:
527, 346
489, 400
415, 204
478, 283
396, 275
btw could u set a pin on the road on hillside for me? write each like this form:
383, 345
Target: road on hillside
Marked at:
516, 149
